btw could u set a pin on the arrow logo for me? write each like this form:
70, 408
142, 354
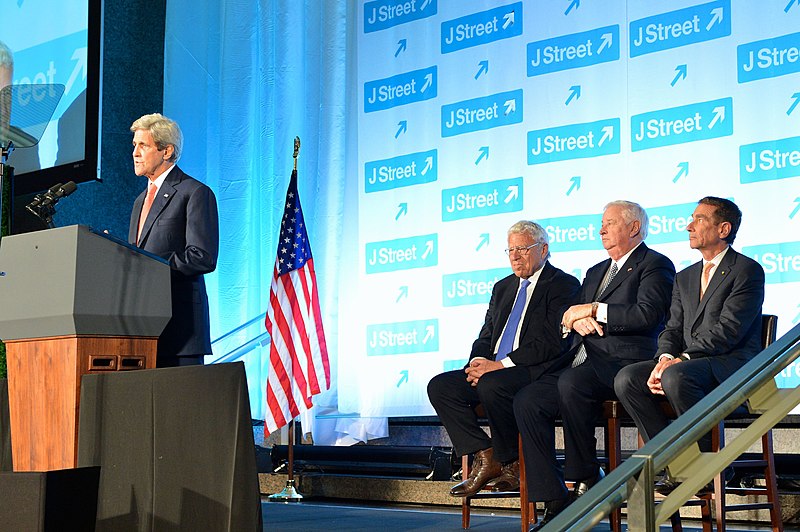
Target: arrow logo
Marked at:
403, 127
574, 3
484, 241
484, 154
683, 169
796, 209
402, 45
785, 9
403, 294
511, 106
576, 184
80, 68
508, 20
796, 97
681, 74
428, 82
428, 165
716, 16
513, 193
428, 249
574, 93
429, 332
403, 377
719, 116
483, 68
402, 211
608, 134
608, 40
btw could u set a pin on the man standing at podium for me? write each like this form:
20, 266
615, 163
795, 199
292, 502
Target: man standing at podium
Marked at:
175, 218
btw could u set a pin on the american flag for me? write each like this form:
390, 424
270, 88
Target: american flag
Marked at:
298, 355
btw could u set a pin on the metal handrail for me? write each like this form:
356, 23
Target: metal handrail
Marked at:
248, 323
676, 446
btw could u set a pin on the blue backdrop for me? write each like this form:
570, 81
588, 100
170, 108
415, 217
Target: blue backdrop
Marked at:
429, 127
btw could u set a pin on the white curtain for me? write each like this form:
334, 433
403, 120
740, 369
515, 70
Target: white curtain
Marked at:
243, 78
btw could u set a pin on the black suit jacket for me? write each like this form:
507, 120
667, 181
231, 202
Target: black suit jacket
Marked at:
726, 325
638, 301
182, 227
540, 342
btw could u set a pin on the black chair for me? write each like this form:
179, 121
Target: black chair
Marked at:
765, 465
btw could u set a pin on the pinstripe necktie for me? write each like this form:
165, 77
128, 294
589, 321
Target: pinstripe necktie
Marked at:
580, 356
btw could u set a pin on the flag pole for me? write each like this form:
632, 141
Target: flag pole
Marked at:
289, 492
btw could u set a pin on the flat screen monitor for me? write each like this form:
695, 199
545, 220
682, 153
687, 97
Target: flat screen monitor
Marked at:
55, 51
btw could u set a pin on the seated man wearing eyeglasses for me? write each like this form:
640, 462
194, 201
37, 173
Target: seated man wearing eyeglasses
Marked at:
519, 341
623, 307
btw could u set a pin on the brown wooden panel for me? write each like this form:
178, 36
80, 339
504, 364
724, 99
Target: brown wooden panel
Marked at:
44, 390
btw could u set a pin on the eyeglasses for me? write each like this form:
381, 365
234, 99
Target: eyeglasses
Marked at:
522, 250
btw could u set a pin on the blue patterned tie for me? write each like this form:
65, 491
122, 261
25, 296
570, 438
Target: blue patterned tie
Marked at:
507, 341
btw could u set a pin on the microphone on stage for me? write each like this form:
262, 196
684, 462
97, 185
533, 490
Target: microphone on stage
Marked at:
43, 205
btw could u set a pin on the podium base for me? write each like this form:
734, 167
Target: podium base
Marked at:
288, 494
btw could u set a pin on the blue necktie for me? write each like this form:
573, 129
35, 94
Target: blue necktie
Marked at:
507, 341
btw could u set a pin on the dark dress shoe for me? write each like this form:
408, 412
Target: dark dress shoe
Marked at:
508, 479
551, 509
667, 485
484, 469
583, 486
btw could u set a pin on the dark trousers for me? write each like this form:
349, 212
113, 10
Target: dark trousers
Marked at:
684, 385
577, 395
454, 400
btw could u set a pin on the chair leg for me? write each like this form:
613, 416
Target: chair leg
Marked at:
675, 521
771, 483
614, 454
717, 443
466, 500
527, 508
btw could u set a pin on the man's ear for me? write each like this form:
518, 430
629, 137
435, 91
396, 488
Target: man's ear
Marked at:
724, 229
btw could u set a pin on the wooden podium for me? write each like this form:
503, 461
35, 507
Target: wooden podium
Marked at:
72, 302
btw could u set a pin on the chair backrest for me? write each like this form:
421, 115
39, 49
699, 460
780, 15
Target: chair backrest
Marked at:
769, 325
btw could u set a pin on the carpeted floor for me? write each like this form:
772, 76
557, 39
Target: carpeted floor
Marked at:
308, 516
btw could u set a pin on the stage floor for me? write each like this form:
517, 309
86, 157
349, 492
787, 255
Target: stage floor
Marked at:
310, 516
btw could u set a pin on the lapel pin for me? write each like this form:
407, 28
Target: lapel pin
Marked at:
630, 269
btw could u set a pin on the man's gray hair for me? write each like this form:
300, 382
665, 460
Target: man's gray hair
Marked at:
631, 211
164, 132
533, 230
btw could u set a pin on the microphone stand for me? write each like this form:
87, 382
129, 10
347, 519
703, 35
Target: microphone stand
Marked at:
5, 152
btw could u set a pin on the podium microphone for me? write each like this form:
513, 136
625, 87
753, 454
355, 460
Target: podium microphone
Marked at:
43, 205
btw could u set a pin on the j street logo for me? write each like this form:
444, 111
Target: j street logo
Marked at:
772, 159
479, 114
573, 51
680, 28
402, 254
677, 125
385, 14
482, 199
470, 288
574, 141
419, 336
482, 28
401, 171
769, 58
401, 89
781, 261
